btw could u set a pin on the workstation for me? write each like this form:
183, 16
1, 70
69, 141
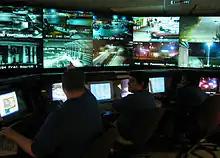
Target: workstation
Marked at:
38, 43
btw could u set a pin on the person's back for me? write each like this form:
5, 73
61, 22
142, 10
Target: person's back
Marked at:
191, 95
131, 106
79, 123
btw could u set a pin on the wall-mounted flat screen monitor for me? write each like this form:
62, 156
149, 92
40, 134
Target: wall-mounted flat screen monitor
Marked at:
8, 103
21, 53
154, 29
200, 29
66, 24
113, 27
157, 85
112, 53
201, 55
20, 22
103, 91
59, 53
158, 53
209, 84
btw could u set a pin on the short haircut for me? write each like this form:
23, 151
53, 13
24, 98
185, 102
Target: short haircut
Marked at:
141, 77
73, 80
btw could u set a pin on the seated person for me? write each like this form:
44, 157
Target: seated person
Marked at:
132, 105
190, 94
68, 130
189, 98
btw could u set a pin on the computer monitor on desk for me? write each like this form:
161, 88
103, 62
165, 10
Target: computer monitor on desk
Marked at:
209, 85
103, 91
58, 93
8, 103
157, 85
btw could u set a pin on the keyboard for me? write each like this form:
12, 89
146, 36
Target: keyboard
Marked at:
7, 146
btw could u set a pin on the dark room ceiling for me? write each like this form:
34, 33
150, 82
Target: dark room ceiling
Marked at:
135, 7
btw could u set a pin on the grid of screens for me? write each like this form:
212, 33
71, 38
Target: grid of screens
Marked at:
53, 38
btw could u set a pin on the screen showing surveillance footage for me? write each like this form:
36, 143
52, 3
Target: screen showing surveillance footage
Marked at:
112, 28
204, 55
200, 29
156, 53
64, 24
21, 54
112, 53
209, 84
59, 53
20, 22
154, 29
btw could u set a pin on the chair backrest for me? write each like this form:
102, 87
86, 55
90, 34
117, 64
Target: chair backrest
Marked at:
207, 115
100, 148
146, 125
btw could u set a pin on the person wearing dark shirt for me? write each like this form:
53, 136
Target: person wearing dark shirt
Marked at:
132, 105
68, 130
190, 95
189, 98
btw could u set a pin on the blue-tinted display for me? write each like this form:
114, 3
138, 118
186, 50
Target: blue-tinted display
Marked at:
112, 28
20, 22
67, 24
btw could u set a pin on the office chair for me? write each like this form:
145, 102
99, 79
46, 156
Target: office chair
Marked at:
145, 127
101, 147
203, 127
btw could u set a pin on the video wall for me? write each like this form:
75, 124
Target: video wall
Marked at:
54, 38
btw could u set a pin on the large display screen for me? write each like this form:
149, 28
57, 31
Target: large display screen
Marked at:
20, 22
209, 84
204, 55
21, 53
67, 24
59, 53
200, 29
154, 29
156, 53
112, 53
112, 28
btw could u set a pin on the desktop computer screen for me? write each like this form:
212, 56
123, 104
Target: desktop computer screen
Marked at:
209, 84
157, 85
124, 88
8, 103
57, 92
101, 90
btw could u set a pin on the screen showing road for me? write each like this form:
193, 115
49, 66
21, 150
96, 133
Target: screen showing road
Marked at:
200, 29
156, 53
154, 29
112, 53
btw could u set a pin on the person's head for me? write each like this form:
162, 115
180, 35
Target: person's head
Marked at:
138, 81
191, 79
73, 82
